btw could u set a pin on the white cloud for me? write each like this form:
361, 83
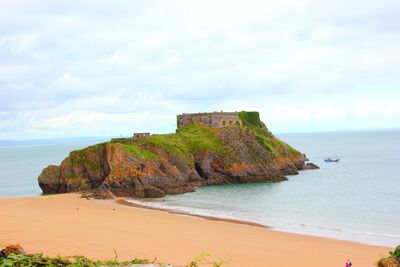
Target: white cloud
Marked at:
70, 68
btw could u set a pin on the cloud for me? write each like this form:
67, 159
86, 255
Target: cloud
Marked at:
96, 68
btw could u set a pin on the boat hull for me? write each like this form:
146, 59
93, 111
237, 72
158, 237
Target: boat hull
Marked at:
331, 160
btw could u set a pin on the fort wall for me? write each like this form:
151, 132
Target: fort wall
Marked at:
140, 135
211, 119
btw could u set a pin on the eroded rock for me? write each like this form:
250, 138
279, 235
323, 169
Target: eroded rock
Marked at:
174, 164
310, 166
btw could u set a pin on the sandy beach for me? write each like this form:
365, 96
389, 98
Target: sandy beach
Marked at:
69, 225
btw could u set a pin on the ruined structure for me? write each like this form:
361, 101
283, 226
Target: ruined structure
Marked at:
211, 119
140, 135
135, 136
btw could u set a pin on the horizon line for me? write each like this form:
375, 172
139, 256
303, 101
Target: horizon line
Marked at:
394, 129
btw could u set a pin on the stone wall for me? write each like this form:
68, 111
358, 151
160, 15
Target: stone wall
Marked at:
211, 119
140, 135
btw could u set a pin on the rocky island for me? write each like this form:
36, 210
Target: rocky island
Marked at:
207, 149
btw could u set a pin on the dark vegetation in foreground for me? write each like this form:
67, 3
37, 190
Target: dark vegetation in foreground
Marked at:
77, 261
393, 260
14, 255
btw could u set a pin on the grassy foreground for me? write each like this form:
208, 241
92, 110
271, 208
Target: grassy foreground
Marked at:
38, 259
77, 261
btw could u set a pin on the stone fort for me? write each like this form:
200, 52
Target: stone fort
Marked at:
211, 119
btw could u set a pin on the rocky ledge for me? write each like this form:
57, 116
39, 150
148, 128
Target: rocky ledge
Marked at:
196, 155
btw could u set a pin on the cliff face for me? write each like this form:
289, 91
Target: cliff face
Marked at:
176, 163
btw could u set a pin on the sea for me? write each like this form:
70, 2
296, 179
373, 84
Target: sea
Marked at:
357, 198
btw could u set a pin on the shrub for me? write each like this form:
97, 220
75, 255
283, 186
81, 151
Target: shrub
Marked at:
202, 260
392, 261
395, 253
38, 259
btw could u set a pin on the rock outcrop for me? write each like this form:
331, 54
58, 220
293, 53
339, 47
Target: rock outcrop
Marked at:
388, 262
310, 166
196, 155
12, 249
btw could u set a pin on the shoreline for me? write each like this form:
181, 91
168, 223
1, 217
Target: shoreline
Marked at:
123, 201
69, 225
138, 204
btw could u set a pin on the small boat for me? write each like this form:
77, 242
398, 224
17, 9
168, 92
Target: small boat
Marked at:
329, 159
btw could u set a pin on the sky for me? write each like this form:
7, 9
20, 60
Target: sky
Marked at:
111, 68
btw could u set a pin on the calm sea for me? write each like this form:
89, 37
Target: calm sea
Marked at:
22, 162
356, 199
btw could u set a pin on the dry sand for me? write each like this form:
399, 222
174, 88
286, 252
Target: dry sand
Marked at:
69, 225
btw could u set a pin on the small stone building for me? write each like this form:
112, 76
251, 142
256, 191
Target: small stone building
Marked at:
211, 119
140, 135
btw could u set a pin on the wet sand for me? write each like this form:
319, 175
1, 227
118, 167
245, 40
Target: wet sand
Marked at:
69, 225
136, 205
